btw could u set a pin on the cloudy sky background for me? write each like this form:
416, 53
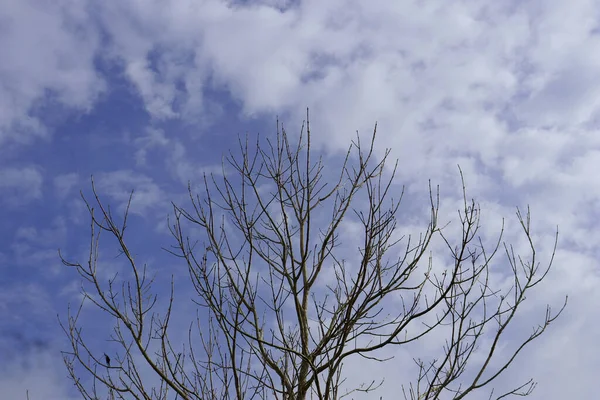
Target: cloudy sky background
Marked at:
146, 95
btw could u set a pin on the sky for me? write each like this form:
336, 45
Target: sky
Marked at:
148, 95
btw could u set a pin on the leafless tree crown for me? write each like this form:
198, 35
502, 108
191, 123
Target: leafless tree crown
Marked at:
282, 303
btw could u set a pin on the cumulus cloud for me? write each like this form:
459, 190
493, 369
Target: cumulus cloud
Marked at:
455, 72
507, 90
53, 62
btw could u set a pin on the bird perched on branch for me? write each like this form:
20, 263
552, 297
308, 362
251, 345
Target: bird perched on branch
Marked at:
107, 359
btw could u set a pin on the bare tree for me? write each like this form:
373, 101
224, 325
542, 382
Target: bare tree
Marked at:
282, 304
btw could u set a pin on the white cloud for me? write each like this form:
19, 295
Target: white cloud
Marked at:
35, 374
153, 138
31, 357
20, 186
34, 248
54, 60
117, 186
64, 184
509, 91
453, 67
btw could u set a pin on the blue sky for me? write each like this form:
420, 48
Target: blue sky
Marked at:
147, 95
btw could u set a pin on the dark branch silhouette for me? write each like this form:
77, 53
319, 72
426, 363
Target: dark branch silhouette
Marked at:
282, 306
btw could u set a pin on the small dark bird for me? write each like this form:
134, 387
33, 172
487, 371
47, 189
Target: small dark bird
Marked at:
107, 359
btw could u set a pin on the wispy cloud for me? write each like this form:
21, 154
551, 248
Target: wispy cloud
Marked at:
20, 186
117, 187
